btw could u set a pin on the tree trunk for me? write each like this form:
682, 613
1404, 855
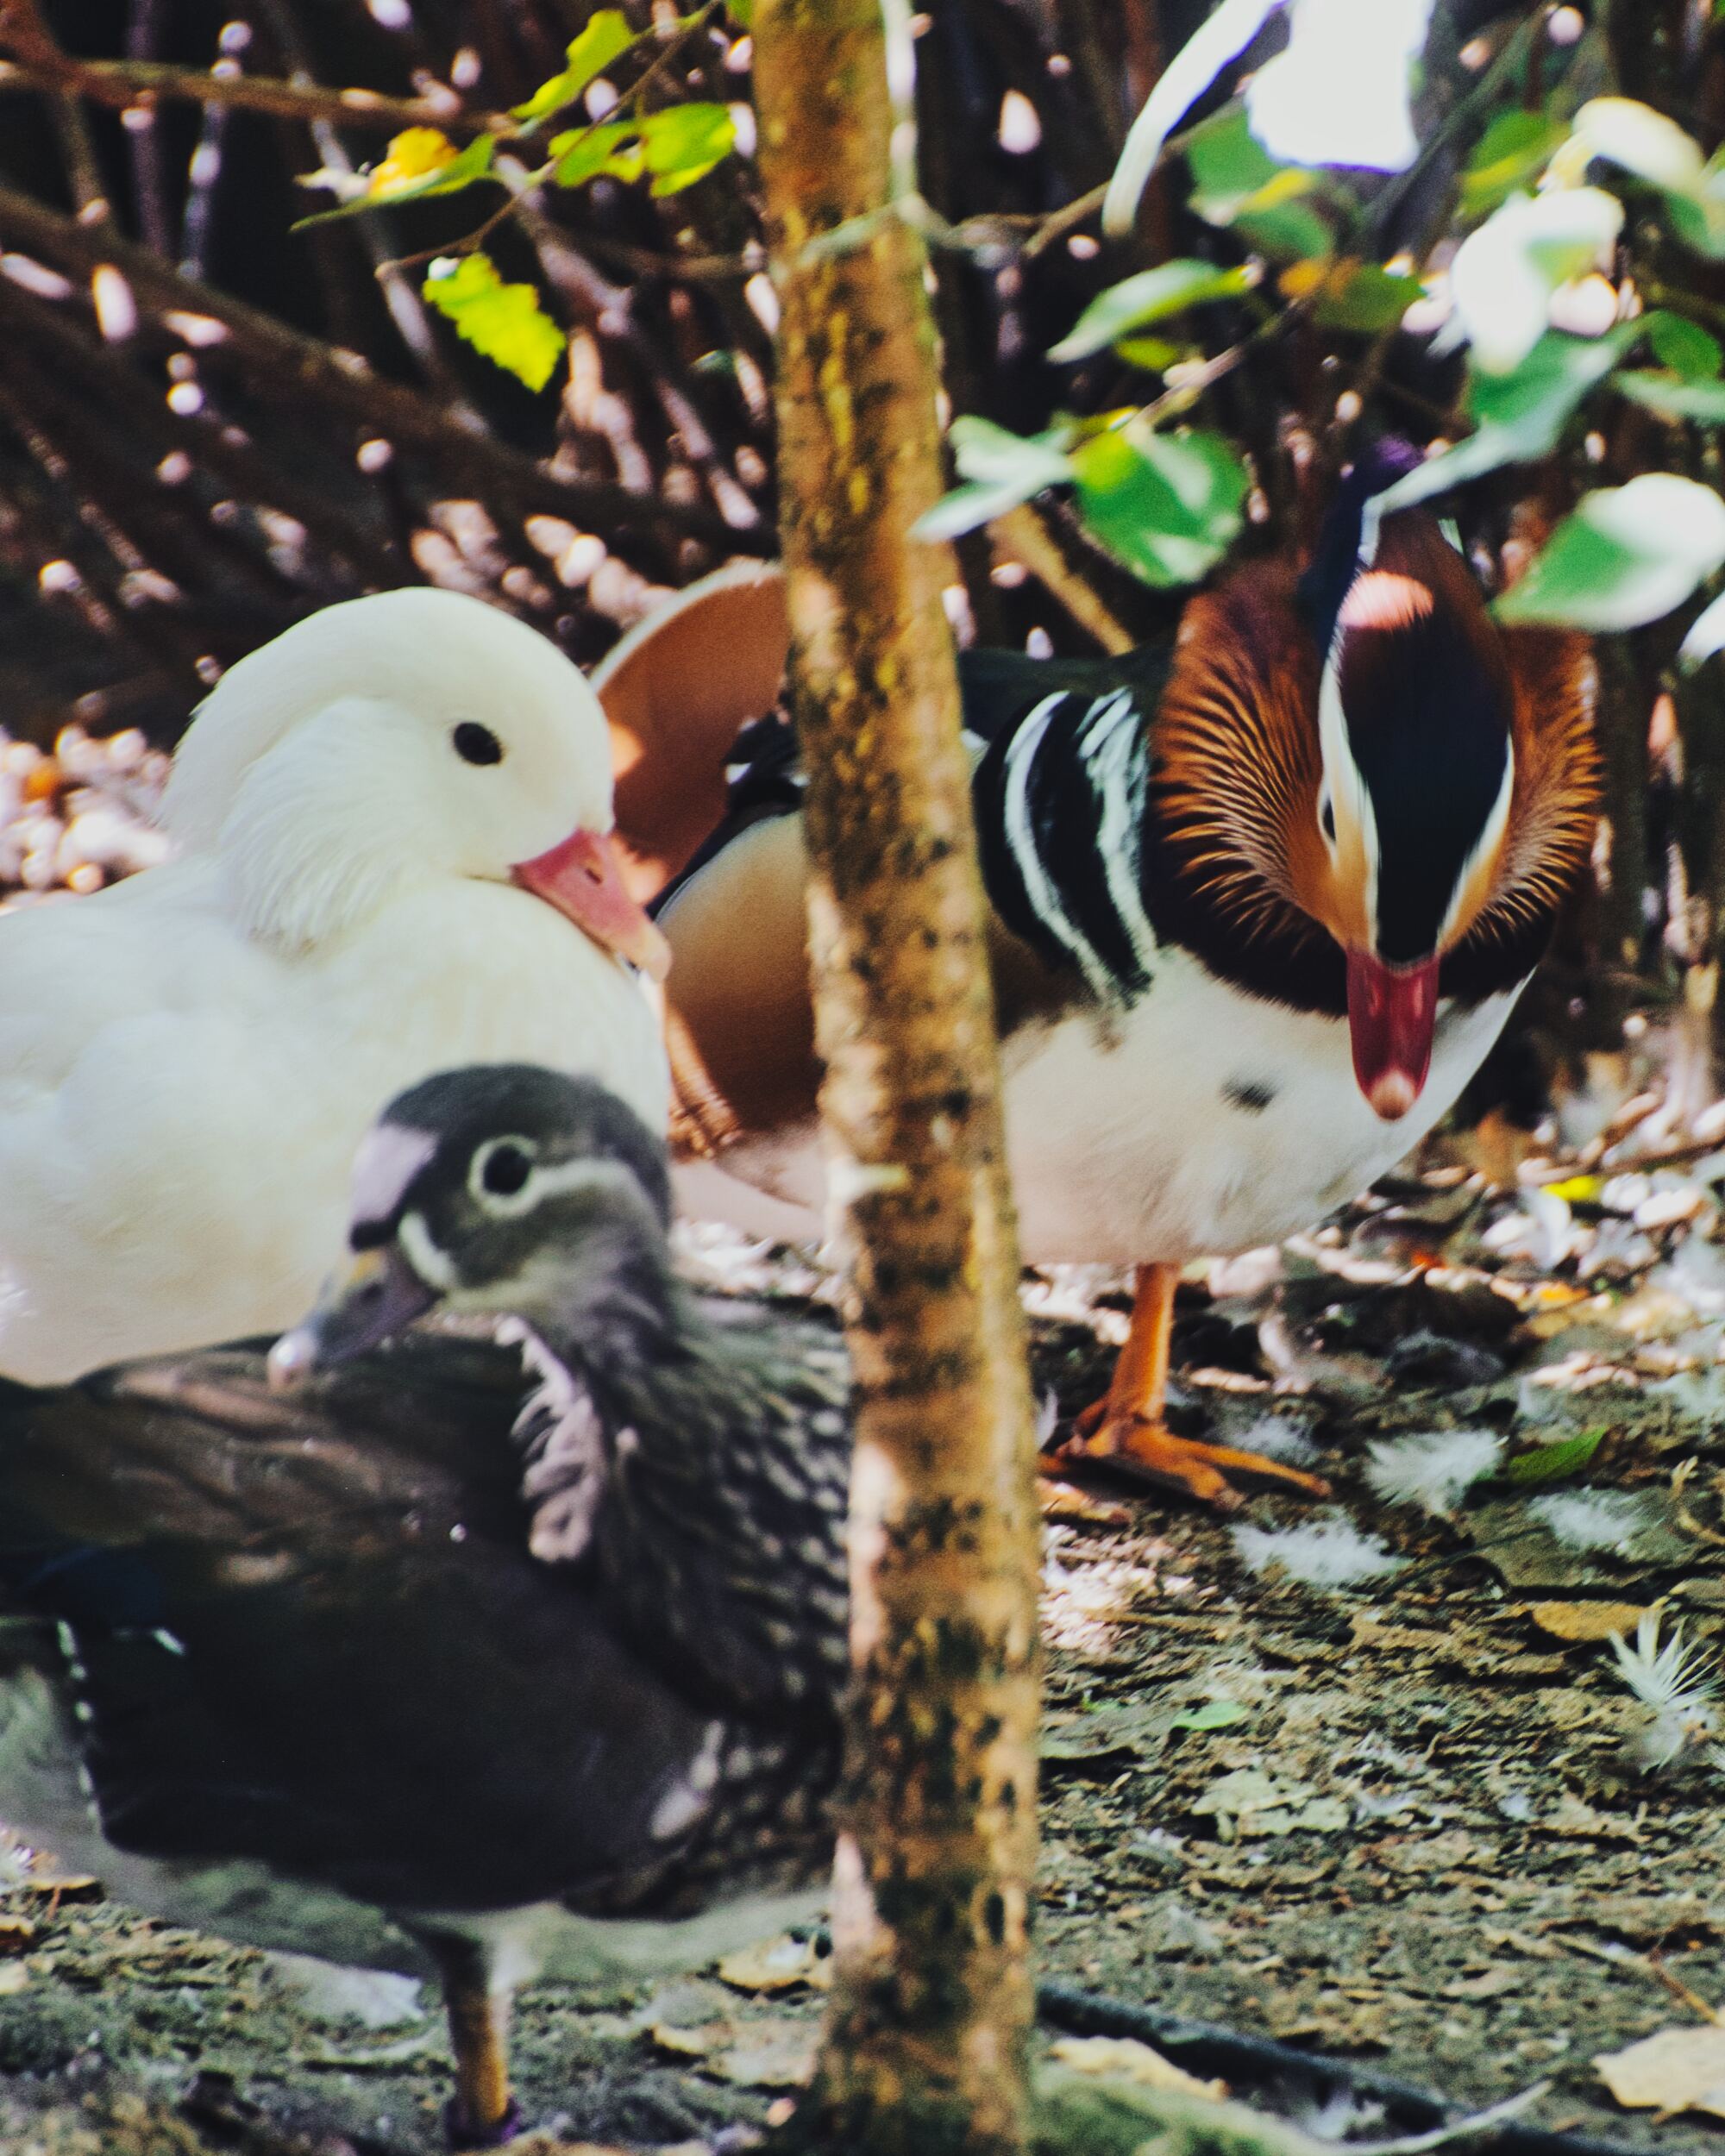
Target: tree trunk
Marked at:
926, 2045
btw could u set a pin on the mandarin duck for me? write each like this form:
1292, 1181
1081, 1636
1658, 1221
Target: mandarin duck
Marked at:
394, 856
382, 1635
1261, 903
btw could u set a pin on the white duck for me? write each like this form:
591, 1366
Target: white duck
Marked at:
393, 857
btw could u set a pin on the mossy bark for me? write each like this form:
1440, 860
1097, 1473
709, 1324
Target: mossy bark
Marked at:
926, 2045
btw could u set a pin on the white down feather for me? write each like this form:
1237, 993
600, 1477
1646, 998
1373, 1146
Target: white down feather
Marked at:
189, 1059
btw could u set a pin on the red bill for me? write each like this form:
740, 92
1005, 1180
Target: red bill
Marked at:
1392, 1011
583, 879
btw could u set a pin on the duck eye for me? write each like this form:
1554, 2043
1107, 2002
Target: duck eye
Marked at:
476, 744
1326, 817
504, 1169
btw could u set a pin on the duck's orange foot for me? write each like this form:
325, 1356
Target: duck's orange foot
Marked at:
1134, 1445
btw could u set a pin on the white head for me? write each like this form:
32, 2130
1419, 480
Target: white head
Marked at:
410, 736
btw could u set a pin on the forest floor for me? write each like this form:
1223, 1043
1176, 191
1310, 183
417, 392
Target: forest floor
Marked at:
1403, 1811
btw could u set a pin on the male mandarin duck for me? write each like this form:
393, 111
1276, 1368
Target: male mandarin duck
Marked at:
395, 1650
395, 854
1261, 903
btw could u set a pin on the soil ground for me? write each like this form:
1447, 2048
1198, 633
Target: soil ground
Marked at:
1403, 1823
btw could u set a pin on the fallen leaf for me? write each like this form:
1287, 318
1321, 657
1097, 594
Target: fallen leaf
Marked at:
1586, 1620
776, 1965
688, 2043
1572, 1817
773, 2054
1124, 2059
1520, 1943
1679, 2070
1214, 1713
77, 1886
1370, 1631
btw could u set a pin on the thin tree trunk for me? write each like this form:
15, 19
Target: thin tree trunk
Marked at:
926, 2046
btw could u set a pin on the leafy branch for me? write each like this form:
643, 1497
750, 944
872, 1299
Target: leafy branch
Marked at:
673, 146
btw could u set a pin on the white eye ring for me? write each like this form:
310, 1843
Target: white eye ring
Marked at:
501, 1175
1326, 817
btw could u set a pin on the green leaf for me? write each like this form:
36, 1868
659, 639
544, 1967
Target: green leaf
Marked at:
1363, 298
1003, 469
1154, 355
1224, 157
1551, 1462
607, 34
684, 142
1655, 149
1683, 346
1503, 274
503, 322
1137, 301
1521, 414
582, 153
1168, 507
1671, 398
460, 171
1239, 187
1510, 154
1627, 556
1214, 1713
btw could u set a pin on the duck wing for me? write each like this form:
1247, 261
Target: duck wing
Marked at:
708, 803
311, 1633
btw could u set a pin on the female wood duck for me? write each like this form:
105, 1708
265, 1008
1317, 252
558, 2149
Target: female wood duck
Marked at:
1261, 903
394, 1640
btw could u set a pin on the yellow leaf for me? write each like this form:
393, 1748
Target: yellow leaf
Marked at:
412, 155
776, 1965
1679, 2070
1586, 1620
1574, 1189
1124, 2059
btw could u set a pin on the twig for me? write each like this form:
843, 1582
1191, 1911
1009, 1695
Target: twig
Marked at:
64, 353
122, 83
608, 304
1056, 225
406, 310
526, 186
143, 140
1680, 1991
1185, 393
1482, 95
1206, 2047
1022, 534
286, 363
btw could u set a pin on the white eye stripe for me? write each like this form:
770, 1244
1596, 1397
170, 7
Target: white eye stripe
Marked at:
432, 1264
1350, 801
1487, 844
557, 1180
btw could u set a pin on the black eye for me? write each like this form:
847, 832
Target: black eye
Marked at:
1326, 817
476, 744
505, 1171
